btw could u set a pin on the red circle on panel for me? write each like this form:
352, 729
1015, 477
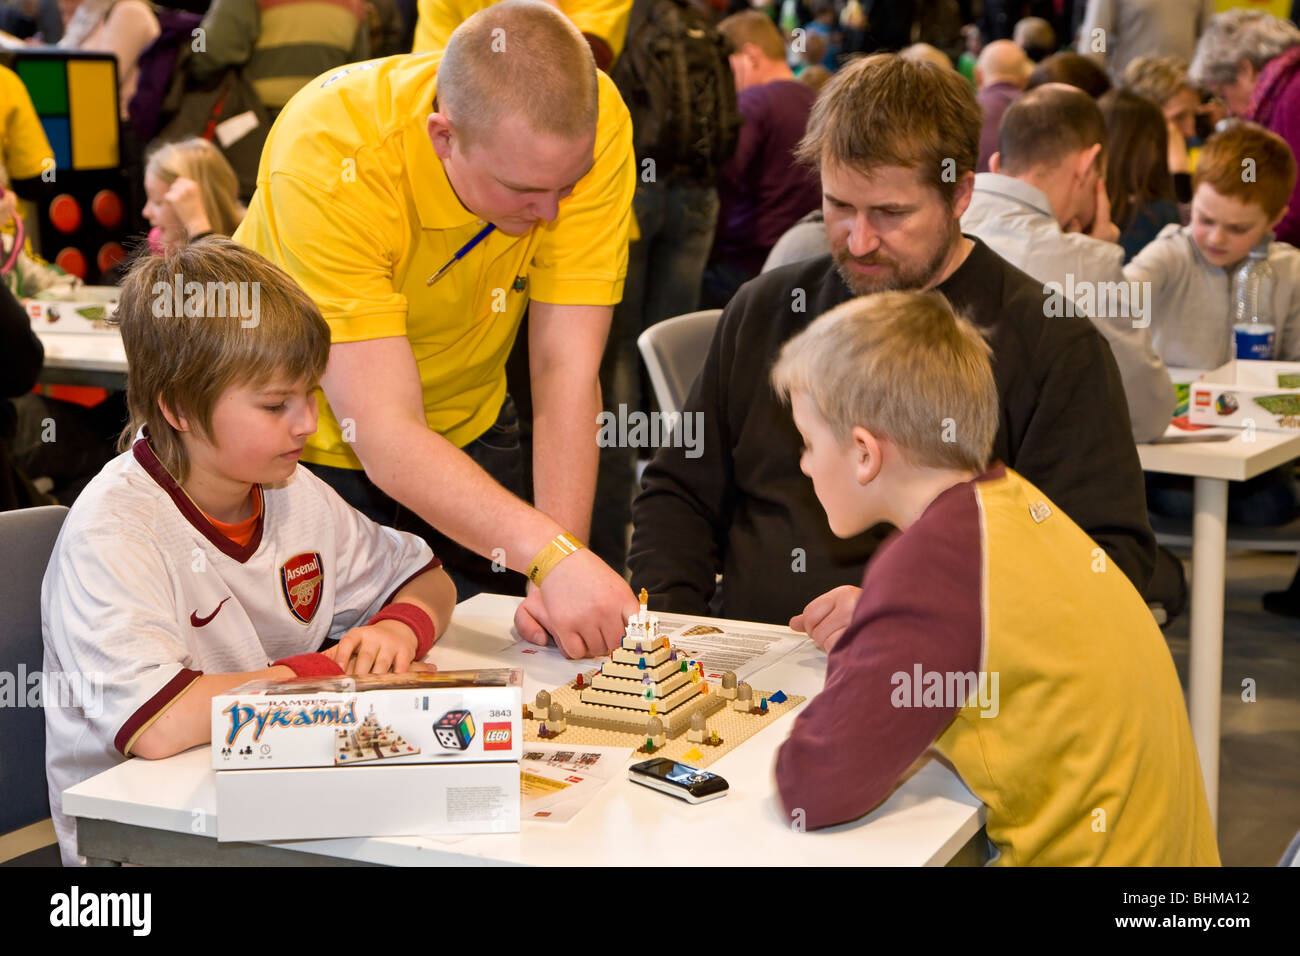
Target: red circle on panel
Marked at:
110, 254
71, 261
65, 213
107, 207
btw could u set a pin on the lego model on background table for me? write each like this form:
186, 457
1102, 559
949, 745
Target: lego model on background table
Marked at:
653, 696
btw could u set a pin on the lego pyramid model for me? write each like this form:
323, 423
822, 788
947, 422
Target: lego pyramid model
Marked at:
370, 741
645, 679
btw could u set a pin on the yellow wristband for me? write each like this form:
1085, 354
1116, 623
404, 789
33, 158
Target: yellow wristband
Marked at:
556, 550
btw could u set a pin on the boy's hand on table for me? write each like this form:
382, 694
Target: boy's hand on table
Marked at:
826, 617
381, 648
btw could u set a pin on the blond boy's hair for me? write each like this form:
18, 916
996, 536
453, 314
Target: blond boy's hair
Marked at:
518, 58
903, 366
189, 336
199, 160
1267, 180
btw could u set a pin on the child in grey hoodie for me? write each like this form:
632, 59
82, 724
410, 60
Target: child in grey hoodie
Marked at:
1243, 181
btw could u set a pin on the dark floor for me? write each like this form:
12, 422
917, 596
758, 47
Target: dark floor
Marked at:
1259, 763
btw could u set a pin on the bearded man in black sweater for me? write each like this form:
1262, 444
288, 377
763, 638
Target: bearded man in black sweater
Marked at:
896, 143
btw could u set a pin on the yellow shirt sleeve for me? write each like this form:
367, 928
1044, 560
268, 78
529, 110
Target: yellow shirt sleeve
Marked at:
582, 256
337, 245
26, 150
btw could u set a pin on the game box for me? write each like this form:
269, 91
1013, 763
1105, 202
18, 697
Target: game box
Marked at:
1245, 394
317, 803
372, 720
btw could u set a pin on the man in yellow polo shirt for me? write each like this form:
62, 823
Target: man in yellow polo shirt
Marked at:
423, 201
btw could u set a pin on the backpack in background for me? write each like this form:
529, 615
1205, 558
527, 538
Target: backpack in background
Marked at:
676, 81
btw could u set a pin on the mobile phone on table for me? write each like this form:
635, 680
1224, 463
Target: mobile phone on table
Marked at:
678, 780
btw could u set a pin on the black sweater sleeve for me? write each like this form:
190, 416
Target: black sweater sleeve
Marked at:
21, 352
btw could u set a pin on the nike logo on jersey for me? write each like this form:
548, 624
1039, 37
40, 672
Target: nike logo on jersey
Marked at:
197, 621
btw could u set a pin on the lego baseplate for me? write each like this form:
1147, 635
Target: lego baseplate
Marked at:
732, 726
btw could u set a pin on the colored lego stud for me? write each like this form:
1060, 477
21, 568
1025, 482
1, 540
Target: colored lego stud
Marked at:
638, 647
653, 709
649, 693
672, 656
763, 705
713, 738
779, 697
578, 683
695, 677
640, 662
649, 745
684, 667
704, 687
645, 681
699, 666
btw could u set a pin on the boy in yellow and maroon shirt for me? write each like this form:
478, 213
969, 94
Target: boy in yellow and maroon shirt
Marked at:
992, 628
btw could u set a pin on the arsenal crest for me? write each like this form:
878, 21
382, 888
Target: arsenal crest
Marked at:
301, 578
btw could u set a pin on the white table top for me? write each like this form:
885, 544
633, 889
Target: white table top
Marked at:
924, 822
1233, 460
89, 351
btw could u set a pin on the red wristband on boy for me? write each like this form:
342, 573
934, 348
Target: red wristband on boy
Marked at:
416, 618
310, 665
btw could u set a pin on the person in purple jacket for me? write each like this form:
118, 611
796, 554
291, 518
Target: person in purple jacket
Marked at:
1251, 61
1000, 75
762, 190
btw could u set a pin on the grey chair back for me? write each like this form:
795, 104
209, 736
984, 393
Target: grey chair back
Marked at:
674, 352
26, 542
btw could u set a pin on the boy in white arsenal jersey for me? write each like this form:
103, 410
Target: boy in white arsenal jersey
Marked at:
205, 556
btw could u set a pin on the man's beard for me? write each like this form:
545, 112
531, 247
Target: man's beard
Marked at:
900, 277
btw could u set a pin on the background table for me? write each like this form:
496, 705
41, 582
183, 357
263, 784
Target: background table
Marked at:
164, 811
1213, 465
90, 358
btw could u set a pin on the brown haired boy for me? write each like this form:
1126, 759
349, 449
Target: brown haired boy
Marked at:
1244, 177
204, 556
984, 629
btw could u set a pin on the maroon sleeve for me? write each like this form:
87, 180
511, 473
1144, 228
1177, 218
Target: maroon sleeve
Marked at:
919, 613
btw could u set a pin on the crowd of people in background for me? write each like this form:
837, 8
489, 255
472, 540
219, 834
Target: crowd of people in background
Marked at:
1095, 120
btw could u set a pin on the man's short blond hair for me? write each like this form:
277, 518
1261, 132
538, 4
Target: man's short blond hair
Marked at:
905, 367
187, 339
518, 58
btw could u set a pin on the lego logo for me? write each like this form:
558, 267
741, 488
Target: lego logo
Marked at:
1202, 399
496, 736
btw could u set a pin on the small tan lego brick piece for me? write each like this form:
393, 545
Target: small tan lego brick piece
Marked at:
744, 695
696, 733
728, 689
555, 721
543, 703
